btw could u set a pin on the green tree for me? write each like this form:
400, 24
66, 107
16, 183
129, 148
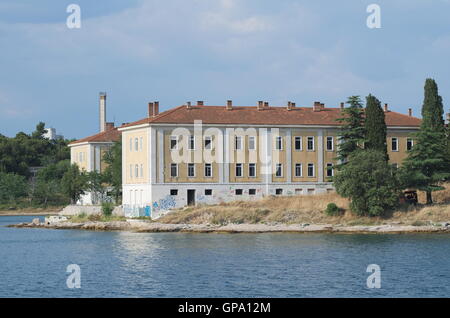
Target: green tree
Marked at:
351, 135
375, 126
74, 183
369, 182
428, 162
96, 185
113, 172
12, 187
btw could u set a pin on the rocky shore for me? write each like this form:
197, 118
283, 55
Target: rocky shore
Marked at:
148, 226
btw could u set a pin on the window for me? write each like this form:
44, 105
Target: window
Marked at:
136, 171
239, 170
136, 144
278, 143
409, 143
237, 142
278, 191
142, 171
131, 144
251, 143
311, 191
173, 191
394, 144
140, 143
330, 144
173, 170
310, 143
298, 191
279, 170
191, 142
208, 142
252, 169
298, 170
208, 170
310, 170
252, 191
330, 171
173, 142
238, 192
208, 191
298, 143
191, 170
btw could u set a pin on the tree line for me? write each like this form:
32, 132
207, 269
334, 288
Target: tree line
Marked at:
36, 172
363, 172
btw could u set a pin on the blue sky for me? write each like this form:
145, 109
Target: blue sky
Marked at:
175, 51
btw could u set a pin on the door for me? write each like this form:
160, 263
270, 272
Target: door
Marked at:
191, 197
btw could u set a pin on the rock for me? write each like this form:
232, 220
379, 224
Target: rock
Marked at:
36, 221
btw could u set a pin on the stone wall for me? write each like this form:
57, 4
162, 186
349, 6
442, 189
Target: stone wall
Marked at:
88, 209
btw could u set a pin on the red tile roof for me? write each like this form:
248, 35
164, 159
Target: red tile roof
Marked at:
106, 136
268, 116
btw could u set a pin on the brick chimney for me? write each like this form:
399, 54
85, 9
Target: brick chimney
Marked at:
150, 110
410, 112
102, 112
229, 105
260, 105
188, 105
386, 109
289, 106
266, 104
318, 106
109, 126
155, 109
199, 103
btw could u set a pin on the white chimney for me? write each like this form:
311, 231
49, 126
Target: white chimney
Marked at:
102, 112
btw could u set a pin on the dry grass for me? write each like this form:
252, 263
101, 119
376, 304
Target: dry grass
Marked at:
307, 209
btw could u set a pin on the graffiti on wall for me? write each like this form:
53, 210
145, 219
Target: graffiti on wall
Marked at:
165, 203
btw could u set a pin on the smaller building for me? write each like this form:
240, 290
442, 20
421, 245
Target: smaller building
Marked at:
50, 134
88, 154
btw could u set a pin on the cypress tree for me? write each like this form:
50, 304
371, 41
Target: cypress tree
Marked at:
428, 163
375, 126
351, 135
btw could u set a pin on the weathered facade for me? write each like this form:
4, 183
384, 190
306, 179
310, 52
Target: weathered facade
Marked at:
209, 154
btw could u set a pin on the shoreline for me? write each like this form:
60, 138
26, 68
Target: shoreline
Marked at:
154, 227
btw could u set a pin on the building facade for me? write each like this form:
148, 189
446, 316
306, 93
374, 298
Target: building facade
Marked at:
197, 154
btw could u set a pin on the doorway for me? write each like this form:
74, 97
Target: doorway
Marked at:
191, 197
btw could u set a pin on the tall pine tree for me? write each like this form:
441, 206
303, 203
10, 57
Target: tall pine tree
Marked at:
375, 126
351, 135
428, 163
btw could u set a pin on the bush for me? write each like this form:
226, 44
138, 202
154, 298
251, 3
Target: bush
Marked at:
107, 208
332, 209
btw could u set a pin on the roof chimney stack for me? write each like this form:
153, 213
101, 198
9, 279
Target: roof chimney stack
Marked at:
155, 109
150, 110
266, 104
410, 112
102, 112
386, 109
188, 105
260, 105
109, 126
229, 105
342, 105
289, 106
200, 103
318, 106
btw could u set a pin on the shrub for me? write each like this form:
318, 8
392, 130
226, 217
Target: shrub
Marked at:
107, 208
332, 209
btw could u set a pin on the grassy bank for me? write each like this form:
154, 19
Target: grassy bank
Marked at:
11, 210
309, 209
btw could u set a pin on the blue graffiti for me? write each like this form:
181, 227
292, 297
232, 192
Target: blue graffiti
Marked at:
166, 203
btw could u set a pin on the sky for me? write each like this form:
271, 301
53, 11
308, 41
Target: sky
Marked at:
173, 51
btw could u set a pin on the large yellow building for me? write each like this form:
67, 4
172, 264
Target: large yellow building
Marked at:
208, 154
